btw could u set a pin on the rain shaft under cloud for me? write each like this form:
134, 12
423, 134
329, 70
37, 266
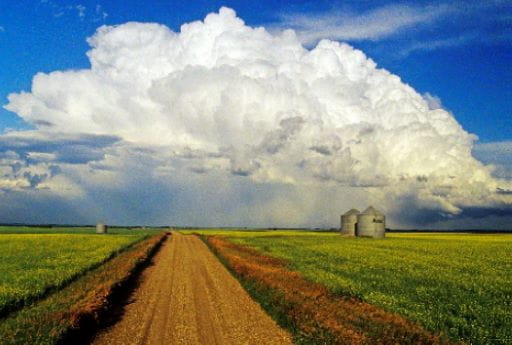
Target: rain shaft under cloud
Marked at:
221, 101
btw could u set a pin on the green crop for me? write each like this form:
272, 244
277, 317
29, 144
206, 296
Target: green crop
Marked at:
69, 314
456, 284
74, 230
32, 265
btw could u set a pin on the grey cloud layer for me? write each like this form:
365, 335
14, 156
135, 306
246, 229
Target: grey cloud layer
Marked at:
81, 148
221, 99
30, 158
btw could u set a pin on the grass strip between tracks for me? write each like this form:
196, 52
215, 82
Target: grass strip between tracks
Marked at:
71, 314
308, 310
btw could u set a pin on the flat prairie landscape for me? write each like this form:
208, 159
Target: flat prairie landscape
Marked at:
70, 285
256, 172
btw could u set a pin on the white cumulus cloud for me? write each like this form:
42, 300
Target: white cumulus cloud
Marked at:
222, 101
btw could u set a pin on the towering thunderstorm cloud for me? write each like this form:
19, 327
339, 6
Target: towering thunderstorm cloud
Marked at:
246, 127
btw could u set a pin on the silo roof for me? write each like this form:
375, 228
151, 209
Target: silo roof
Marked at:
352, 211
370, 210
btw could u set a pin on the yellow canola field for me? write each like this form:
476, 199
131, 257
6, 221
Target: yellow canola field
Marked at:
453, 283
32, 265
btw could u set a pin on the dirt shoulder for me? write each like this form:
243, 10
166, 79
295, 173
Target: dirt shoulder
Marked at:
188, 297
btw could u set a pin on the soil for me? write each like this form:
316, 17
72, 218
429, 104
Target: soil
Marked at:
188, 297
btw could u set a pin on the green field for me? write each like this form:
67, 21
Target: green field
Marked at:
34, 262
59, 317
458, 284
73, 230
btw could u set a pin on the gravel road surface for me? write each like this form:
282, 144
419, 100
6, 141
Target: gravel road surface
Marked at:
188, 297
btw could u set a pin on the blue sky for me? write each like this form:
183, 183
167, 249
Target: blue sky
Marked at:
79, 145
462, 57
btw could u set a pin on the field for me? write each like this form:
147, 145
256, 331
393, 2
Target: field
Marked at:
74, 230
68, 316
37, 261
320, 286
455, 284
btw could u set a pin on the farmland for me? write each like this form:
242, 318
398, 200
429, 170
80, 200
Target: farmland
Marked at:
322, 287
36, 261
84, 304
53, 278
84, 230
456, 284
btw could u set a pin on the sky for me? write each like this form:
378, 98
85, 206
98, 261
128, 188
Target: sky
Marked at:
262, 113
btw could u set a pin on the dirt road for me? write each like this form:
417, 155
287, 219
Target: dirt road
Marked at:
188, 297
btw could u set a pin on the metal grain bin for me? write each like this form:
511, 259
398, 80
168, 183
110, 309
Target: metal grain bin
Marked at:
349, 221
380, 225
366, 223
101, 228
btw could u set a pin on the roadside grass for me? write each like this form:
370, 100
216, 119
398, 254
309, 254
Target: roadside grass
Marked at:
32, 265
68, 315
456, 284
